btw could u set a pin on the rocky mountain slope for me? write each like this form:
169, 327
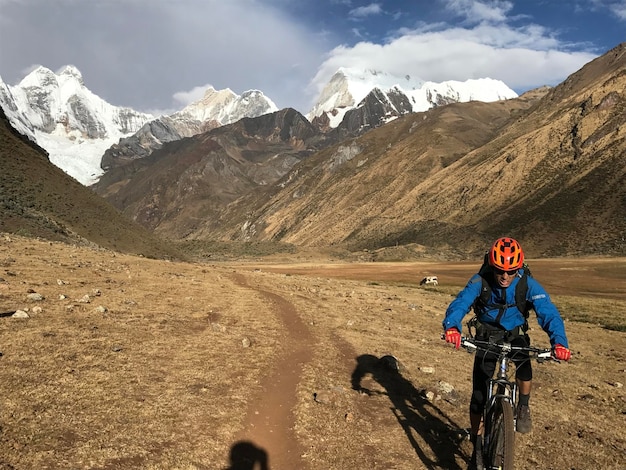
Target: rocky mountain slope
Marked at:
549, 171
553, 175
77, 127
357, 99
353, 102
191, 180
85, 136
215, 109
60, 114
38, 199
218, 169
547, 167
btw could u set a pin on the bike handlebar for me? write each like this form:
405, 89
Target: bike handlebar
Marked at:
541, 354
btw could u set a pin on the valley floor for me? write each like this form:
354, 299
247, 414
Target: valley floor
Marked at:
129, 363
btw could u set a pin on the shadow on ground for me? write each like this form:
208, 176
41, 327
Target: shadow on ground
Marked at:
425, 425
244, 455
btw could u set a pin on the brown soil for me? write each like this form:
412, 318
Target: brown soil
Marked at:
254, 366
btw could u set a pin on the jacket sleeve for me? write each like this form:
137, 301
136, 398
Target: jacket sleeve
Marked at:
462, 304
548, 315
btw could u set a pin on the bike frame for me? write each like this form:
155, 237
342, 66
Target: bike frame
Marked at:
501, 389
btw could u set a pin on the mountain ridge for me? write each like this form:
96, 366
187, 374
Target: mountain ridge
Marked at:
77, 128
547, 167
318, 167
214, 168
60, 114
48, 107
566, 153
349, 89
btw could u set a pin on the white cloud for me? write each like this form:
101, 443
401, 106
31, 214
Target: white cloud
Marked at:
159, 53
521, 58
616, 7
184, 98
480, 11
619, 9
371, 9
357, 33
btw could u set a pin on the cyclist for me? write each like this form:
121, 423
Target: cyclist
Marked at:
500, 319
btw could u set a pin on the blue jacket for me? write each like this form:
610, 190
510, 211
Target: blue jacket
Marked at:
548, 315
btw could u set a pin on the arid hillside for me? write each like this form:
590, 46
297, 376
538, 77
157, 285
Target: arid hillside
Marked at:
119, 362
190, 181
553, 176
38, 199
548, 167
209, 186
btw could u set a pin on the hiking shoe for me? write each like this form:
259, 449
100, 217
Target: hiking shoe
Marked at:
524, 423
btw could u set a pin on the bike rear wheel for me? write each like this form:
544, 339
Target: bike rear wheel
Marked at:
501, 450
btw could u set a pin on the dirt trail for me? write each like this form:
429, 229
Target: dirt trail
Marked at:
268, 437
151, 370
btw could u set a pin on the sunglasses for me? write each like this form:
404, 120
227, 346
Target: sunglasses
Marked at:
501, 272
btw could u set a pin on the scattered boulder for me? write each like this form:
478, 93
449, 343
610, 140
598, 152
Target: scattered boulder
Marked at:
20, 314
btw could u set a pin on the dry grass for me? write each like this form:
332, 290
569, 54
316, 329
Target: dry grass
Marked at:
162, 378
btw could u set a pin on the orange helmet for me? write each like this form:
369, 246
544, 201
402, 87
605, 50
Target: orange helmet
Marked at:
506, 254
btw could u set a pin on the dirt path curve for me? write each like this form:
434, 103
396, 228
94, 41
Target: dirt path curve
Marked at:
270, 420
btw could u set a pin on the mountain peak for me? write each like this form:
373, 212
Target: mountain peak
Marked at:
348, 88
212, 95
378, 78
40, 76
258, 95
71, 71
225, 106
44, 77
74, 125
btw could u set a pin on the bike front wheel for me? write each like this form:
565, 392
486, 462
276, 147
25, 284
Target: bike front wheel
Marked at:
501, 449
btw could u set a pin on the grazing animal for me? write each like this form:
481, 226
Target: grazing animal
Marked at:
429, 281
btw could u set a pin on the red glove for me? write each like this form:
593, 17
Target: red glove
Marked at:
562, 353
453, 336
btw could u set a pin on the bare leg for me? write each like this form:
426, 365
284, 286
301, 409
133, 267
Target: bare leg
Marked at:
524, 386
476, 423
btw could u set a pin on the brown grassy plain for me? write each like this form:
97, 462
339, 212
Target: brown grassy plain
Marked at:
133, 363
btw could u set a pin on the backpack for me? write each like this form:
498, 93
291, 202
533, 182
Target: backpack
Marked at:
521, 289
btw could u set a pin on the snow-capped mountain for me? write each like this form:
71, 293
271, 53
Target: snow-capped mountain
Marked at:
76, 127
71, 123
348, 89
226, 107
214, 109
84, 135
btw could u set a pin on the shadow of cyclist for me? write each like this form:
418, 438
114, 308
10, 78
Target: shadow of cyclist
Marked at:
244, 455
424, 424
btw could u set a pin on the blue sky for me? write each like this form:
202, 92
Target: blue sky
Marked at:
159, 55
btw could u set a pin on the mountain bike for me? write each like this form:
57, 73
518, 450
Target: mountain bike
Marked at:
496, 446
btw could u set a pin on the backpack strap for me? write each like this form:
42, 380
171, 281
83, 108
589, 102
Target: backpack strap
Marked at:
521, 290
482, 302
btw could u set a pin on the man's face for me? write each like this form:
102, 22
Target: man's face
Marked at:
504, 278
